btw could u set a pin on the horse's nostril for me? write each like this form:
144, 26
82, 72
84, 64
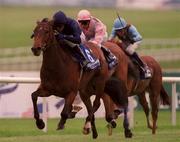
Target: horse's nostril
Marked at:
39, 48
35, 48
32, 49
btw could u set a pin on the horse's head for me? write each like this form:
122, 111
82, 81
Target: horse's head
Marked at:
43, 36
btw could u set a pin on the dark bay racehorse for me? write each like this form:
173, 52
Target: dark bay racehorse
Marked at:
131, 77
61, 76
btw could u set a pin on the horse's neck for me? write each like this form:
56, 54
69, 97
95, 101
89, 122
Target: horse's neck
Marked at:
54, 58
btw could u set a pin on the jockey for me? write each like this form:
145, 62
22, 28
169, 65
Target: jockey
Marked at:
130, 39
67, 29
95, 31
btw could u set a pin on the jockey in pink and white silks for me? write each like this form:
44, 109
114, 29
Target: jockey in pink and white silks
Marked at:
130, 39
93, 30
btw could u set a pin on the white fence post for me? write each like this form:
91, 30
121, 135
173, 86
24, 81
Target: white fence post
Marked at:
174, 102
173, 80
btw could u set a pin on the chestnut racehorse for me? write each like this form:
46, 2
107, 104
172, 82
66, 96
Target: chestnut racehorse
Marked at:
136, 86
62, 76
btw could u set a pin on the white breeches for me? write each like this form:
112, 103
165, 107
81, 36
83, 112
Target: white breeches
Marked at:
132, 47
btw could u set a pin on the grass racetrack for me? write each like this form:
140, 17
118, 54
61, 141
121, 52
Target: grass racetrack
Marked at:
24, 130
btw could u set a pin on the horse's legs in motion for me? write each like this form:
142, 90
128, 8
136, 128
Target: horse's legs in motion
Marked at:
127, 131
66, 110
154, 99
75, 109
99, 93
109, 109
144, 104
90, 120
39, 122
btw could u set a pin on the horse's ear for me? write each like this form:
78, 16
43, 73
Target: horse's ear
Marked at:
37, 21
45, 20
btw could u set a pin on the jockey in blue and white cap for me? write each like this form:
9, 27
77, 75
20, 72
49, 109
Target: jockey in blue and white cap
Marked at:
68, 30
130, 39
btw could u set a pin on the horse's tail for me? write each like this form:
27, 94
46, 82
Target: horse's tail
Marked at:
164, 96
116, 89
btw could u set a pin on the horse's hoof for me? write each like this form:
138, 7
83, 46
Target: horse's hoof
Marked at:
86, 131
76, 108
61, 127
95, 136
153, 132
128, 134
40, 124
113, 124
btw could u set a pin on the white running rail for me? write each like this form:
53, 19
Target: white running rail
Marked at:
172, 80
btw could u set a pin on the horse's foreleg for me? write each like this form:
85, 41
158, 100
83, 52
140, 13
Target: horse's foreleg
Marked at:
109, 109
127, 131
66, 110
144, 104
90, 120
99, 93
39, 122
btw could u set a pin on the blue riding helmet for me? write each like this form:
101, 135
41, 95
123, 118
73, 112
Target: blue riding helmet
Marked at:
60, 18
119, 23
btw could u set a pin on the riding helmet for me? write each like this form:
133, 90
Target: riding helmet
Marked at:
83, 15
59, 18
119, 23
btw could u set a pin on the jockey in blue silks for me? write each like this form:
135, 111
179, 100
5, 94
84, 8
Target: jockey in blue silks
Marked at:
67, 29
130, 38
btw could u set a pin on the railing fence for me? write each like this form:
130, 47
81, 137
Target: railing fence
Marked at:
172, 80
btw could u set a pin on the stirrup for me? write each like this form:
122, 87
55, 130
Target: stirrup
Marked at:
146, 73
112, 61
91, 65
112, 64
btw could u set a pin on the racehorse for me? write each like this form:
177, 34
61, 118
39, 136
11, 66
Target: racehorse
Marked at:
61, 76
136, 86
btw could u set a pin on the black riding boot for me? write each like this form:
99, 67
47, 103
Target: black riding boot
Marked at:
83, 59
110, 57
144, 69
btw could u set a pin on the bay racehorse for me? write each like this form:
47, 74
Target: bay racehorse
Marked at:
136, 86
62, 76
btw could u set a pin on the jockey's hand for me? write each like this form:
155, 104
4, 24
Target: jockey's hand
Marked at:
56, 32
124, 45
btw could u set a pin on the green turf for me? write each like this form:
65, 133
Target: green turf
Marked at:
170, 64
24, 130
17, 23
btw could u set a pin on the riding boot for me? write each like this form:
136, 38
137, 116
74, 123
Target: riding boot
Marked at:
86, 62
144, 69
110, 57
